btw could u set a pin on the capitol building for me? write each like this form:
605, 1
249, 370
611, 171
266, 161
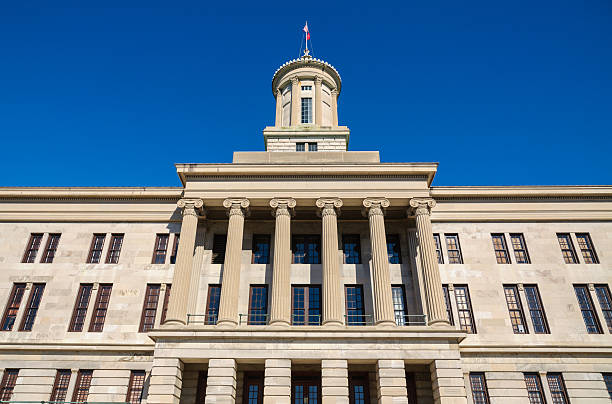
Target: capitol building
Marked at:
306, 274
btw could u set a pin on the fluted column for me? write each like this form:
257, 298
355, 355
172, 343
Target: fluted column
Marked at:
383, 300
333, 308
295, 102
318, 101
436, 307
334, 107
279, 108
280, 310
228, 303
179, 299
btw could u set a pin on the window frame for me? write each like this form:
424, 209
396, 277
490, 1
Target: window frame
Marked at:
402, 319
607, 377
313, 146
391, 254
590, 309
314, 239
114, 252
133, 387
253, 379
78, 307
158, 251
355, 256
359, 379
175, 245
257, 240
83, 379
149, 307
535, 387
32, 307
218, 257
515, 307
588, 253
517, 251
449, 306
94, 324
362, 315
258, 318
307, 305
470, 310
50, 248
570, 248
501, 251
9, 381
562, 388
60, 386
212, 311
306, 111
438, 246
605, 303
12, 305
459, 258
32, 248
164, 312
300, 146
92, 249
540, 309
484, 390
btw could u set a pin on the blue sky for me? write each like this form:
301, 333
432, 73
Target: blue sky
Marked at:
114, 93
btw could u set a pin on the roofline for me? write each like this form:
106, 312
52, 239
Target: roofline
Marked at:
92, 192
520, 191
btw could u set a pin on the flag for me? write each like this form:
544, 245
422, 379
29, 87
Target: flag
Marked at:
306, 31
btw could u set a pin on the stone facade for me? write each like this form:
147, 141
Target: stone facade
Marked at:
223, 316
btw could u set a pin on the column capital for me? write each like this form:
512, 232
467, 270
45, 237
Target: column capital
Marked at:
295, 80
421, 206
191, 206
318, 80
329, 206
237, 206
282, 206
375, 206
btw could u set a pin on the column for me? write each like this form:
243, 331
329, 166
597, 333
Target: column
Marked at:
334, 381
447, 381
177, 305
436, 307
228, 303
280, 308
333, 308
334, 107
279, 108
296, 118
391, 382
198, 258
318, 101
166, 381
383, 301
221, 381
277, 381
417, 274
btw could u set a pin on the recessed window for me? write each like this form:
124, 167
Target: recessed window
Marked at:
605, 301
534, 388
307, 249
306, 88
60, 387
115, 249
501, 250
586, 247
517, 317
536, 310
447, 301
32, 307
399, 305
567, 248
135, 387
149, 308
453, 249
258, 305
306, 110
160, 248
32, 248
464, 309
300, 146
80, 308
212, 304
354, 305
557, 388
12, 308
479, 388
218, 250
261, 249
100, 308
351, 246
95, 251
393, 249
9, 380
521, 256
438, 248
306, 305
81, 388
177, 237
166, 301
51, 248
588, 311
312, 147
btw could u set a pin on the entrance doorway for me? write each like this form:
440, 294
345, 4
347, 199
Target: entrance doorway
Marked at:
306, 388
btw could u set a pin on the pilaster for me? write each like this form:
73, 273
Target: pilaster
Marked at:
318, 101
279, 108
391, 382
221, 382
448, 382
295, 101
277, 381
166, 381
334, 107
334, 381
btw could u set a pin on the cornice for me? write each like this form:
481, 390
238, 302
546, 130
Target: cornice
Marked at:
520, 192
90, 193
307, 62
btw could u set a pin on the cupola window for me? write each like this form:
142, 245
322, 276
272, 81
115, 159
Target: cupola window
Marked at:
306, 110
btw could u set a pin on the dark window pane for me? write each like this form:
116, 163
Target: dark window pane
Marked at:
51, 248
521, 255
605, 301
60, 387
136, 386
212, 306
149, 308
175, 248
306, 305
608, 380
449, 307
312, 147
354, 305
351, 246
557, 388
464, 309
586, 247
161, 246
393, 249
586, 307
218, 250
534, 388
438, 248
95, 251
261, 249
479, 388
100, 308
9, 379
81, 388
12, 307
258, 305
517, 318
114, 249
32, 248
536, 310
32, 308
567, 248
501, 251
80, 308
306, 249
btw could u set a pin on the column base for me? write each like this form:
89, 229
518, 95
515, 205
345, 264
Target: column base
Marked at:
439, 323
174, 322
279, 323
385, 323
333, 324
227, 324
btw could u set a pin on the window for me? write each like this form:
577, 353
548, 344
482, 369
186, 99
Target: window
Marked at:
307, 249
9, 379
313, 147
12, 307
557, 388
261, 249
306, 110
517, 317
586, 247
161, 246
253, 387
166, 301
95, 252
393, 249
399, 304
449, 308
80, 308
359, 392
300, 146
605, 301
201, 389
149, 308
100, 308
115, 249
81, 388
464, 309
175, 248
258, 305
306, 305
438, 249
60, 386
354, 305
218, 250
453, 249
608, 380
521, 256
306, 88
50, 248
501, 250
32, 249
567, 248
536, 310
212, 305
534, 388
136, 386
586, 306
32, 308
479, 388
351, 246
